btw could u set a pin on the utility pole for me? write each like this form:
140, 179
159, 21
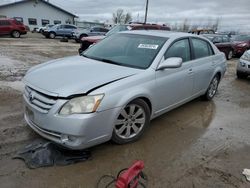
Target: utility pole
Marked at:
146, 13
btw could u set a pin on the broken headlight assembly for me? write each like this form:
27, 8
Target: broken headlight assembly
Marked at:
81, 105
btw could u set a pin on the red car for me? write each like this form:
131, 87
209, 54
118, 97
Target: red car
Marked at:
12, 27
87, 41
223, 43
240, 44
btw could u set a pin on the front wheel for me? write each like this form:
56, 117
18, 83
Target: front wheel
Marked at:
212, 89
15, 34
131, 122
52, 35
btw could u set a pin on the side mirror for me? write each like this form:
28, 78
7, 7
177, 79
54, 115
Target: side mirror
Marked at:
172, 62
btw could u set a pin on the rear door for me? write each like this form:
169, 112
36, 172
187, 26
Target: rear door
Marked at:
175, 85
68, 30
5, 27
203, 65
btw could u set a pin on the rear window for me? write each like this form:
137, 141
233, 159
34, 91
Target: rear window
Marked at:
201, 48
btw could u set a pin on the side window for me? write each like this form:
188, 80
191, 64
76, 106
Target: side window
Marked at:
70, 27
104, 30
226, 39
4, 23
217, 40
180, 49
96, 29
20, 19
201, 48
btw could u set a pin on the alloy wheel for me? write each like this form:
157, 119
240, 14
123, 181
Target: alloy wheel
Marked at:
213, 87
130, 122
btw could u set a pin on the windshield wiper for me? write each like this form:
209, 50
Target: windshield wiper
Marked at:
110, 61
103, 60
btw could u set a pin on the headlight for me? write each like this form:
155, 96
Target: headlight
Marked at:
81, 105
242, 64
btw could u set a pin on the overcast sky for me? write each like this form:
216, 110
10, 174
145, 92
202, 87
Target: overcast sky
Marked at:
231, 12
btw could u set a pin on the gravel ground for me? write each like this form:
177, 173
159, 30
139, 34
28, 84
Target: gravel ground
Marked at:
201, 144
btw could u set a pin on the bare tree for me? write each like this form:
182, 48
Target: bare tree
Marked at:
128, 18
119, 17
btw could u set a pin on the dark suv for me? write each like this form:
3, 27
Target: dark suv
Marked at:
12, 27
87, 41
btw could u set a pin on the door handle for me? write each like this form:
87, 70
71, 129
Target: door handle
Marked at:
190, 71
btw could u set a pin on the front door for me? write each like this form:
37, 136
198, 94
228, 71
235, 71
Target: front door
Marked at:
175, 85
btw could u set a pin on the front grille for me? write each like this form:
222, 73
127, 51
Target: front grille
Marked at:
38, 100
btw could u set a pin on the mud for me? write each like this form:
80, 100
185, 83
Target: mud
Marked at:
201, 144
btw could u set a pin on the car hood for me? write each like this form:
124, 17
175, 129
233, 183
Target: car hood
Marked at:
74, 75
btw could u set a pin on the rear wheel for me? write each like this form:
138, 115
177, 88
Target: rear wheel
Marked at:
212, 88
131, 122
15, 34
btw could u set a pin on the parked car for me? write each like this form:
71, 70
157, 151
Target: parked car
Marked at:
113, 91
12, 27
41, 29
202, 31
243, 66
94, 31
63, 30
241, 43
223, 43
87, 41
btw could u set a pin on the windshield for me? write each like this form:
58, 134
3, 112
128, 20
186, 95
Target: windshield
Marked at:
117, 29
129, 50
242, 38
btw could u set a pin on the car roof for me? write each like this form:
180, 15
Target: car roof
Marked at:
161, 33
215, 35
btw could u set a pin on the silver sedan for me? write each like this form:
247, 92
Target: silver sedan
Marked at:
117, 86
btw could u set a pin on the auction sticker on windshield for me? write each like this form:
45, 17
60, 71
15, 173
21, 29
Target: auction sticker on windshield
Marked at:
148, 46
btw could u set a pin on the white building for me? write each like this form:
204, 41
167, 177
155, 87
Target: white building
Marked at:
36, 13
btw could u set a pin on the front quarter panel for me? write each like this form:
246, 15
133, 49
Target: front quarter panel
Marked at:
120, 93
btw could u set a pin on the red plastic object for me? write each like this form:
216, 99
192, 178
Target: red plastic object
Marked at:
130, 178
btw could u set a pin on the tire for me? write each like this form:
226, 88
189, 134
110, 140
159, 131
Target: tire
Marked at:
212, 88
241, 75
15, 34
52, 35
131, 123
229, 55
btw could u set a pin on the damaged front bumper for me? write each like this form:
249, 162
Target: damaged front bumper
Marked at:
76, 131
